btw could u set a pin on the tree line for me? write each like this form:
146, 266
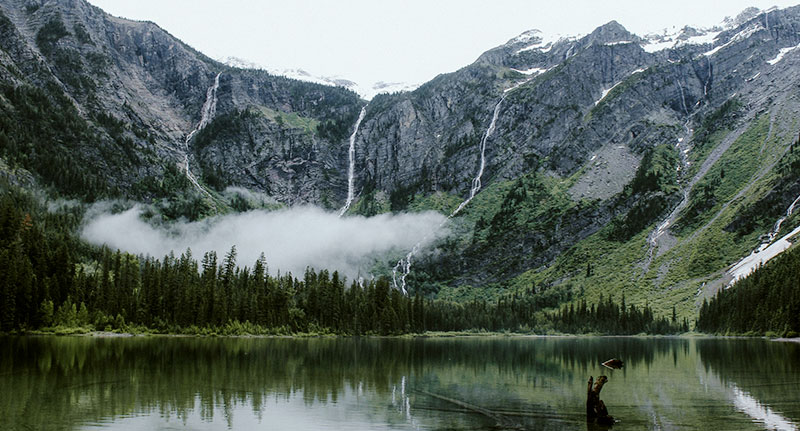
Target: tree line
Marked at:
765, 302
51, 279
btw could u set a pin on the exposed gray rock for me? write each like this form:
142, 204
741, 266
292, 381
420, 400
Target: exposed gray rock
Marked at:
589, 107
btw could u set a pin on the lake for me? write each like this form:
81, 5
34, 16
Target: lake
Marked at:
467, 383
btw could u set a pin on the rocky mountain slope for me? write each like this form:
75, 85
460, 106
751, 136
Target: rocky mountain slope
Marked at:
609, 163
625, 135
139, 92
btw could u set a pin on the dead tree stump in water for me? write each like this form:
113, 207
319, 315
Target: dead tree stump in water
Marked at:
596, 411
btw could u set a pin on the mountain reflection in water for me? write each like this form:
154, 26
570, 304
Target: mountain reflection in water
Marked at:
383, 383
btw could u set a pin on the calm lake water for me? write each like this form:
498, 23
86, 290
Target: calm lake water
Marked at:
376, 384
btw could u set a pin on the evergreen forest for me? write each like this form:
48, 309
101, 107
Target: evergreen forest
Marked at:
54, 282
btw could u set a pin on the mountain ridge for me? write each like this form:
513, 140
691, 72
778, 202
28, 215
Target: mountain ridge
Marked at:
597, 142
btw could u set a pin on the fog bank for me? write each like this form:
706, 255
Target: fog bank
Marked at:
291, 239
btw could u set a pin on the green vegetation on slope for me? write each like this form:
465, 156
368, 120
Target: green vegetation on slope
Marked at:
53, 280
42, 131
766, 302
733, 170
653, 187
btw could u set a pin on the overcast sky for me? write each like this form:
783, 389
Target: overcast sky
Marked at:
399, 41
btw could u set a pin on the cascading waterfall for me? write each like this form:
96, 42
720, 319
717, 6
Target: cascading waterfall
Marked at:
476, 182
403, 266
777, 226
206, 115
352, 163
683, 98
683, 147
772, 247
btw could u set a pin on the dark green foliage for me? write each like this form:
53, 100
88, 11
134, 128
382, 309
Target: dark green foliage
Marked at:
36, 259
725, 116
652, 187
41, 286
657, 171
50, 33
81, 34
239, 203
768, 300
642, 214
338, 129
97, 63
45, 134
68, 63
191, 206
702, 198
402, 195
608, 317
170, 184
6, 26
528, 205
214, 176
762, 213
227, 126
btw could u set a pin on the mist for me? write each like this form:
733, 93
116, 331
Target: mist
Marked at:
291, 239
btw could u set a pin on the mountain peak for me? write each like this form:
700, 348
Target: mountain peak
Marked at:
529, 36
611, 32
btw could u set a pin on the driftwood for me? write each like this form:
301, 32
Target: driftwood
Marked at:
596, 411
502, 421
614, 364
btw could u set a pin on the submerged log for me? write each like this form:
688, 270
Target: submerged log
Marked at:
614, 364
502, 421
596, 411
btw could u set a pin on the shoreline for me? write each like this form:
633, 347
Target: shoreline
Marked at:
430, 335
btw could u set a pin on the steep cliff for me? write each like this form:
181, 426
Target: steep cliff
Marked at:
657, 159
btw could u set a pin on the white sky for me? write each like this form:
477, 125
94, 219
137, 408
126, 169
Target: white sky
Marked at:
399, 40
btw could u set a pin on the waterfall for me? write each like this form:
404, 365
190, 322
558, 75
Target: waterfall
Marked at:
777, 227
767, 249
352, 163
403, 266
206, 115
476, 182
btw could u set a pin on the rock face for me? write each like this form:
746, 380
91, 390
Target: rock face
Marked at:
155, 86
586, 108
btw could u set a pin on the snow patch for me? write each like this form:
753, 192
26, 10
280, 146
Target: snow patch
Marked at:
527, 36
685, 36
542, 43
619, 42
366, 91
742, 35
652, 47
761, 255
605, 92
781, 53
534, 71
702, 39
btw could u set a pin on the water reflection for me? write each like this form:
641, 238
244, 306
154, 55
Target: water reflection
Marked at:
420, 384
757, 377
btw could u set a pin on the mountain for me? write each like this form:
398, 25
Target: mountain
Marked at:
610, 164
137, 93
601, 140
366, 91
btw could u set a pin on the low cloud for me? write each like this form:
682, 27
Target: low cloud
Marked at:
291, 239
255, 199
